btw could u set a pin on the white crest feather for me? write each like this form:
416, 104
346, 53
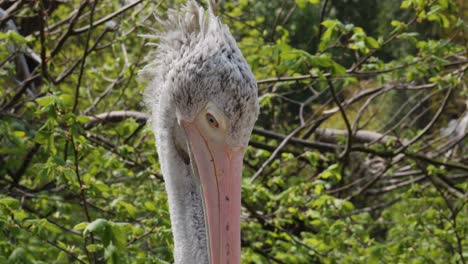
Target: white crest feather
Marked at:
182, 31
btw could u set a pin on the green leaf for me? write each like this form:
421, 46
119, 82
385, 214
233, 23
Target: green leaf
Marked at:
301, 3
10, 202
15, 37
97, 226
405, 4
150, 206
444, 3
129, 208
102, 187
18, 256
20, 134
445, 21
120, 233
338, 70
321, 61
70, 175
330, 23
372, 42
348, 205
326, 39
51, 227
318, 189
94, 247
66, 99
110, 254
82, 119
80, 226
397, 24
45, 101
19, 214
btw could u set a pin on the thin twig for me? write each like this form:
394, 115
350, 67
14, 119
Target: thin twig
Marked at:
276, 152
135, 239
83, 59
82, 195
107, 18
47, 240
345, 153
69, 31
428, 126
42, 19
320, 31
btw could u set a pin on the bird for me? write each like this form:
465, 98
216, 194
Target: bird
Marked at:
202, 100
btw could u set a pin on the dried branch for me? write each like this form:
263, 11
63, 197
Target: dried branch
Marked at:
69, 30
22, 89
26, 161
331, 135
429, 125
107, 18
115, 116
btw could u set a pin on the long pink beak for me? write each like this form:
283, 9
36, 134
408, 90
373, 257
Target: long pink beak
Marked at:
219, 167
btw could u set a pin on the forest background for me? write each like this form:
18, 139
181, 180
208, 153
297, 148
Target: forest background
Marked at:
359, 154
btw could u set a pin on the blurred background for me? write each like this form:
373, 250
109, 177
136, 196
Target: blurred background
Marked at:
359, 154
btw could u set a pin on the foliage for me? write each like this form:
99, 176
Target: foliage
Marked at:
80, 181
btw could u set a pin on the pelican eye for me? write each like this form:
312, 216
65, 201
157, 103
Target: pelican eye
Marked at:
212, 120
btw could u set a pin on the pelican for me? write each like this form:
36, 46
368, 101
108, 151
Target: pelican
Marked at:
203, 101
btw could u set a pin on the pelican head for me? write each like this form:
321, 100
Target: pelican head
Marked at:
203, 98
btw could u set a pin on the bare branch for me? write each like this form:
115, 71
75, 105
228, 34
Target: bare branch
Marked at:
107, 18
